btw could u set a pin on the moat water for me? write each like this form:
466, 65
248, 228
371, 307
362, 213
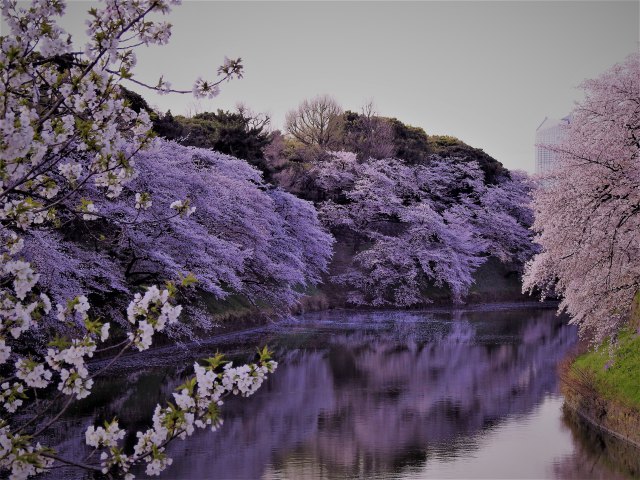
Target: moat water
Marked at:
375, 395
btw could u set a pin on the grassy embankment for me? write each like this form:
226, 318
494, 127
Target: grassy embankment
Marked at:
603, 385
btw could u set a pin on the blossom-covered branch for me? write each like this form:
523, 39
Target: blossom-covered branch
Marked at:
70, 141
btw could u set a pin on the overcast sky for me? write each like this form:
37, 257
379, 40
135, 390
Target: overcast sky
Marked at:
486, 72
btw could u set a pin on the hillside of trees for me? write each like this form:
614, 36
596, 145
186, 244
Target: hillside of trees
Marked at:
417, 218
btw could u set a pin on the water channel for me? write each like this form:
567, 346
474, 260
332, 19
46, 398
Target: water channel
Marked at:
380, 395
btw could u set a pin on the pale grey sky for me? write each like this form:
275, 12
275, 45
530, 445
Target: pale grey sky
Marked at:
486, 72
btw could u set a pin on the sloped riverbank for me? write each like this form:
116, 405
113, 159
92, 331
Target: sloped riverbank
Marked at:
603, 386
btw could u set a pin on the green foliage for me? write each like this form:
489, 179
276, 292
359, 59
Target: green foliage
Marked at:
412, 143
617, 373
634, 319
59, 342
264, 354
137, 103
367, 135
216, 361
188, 385
167, 126
200, 132
448, 146
350, 119
234, 133
439, 143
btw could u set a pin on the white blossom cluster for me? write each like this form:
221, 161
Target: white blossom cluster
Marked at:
197, 404
24, 278
143, 201
204, 89
183, 208
20, 310
89, 208
23, 212
150, 313
33, 374
245, 379
70, 171
68, 358
106, 436
19, 456
18, 306
11, 396
64, 128
85, 115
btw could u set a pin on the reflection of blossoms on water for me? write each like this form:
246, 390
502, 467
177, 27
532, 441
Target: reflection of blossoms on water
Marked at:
367, 393
412, 396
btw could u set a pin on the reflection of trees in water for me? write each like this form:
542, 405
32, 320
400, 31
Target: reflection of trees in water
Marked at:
596, 455
131, 398
382, 401
371, 401
409, 396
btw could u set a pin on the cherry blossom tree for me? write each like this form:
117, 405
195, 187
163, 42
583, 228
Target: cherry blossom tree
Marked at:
233, 232
421, 225
587, 214
69, 141
503, 218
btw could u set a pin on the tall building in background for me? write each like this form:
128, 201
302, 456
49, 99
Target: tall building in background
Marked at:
549, 132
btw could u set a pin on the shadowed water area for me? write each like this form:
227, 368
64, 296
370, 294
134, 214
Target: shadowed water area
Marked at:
389, 395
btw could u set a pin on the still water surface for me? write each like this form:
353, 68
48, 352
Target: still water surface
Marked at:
388, 395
